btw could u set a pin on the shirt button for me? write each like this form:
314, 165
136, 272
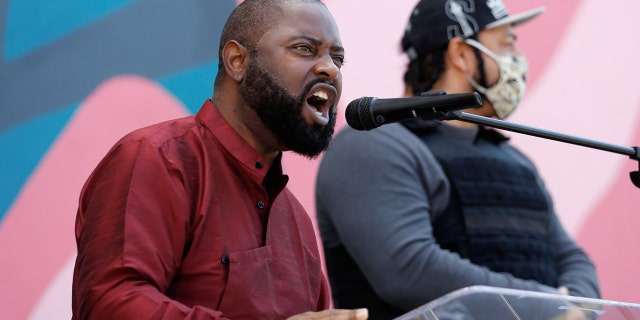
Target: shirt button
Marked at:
260, 204
224, 260
259, 165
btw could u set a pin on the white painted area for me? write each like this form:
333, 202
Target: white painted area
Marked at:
55, 302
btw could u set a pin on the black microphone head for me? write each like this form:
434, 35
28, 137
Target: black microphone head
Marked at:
358, 114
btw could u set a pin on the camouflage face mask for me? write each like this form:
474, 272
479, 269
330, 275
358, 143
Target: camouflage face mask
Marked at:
506, 94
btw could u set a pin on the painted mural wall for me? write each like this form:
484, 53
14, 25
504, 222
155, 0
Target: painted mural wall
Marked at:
76, 75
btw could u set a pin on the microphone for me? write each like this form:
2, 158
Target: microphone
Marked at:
368, 113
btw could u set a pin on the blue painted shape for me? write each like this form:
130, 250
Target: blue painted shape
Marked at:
22, 149
192, 86
32, 24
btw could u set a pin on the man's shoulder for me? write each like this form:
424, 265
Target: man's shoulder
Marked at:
159, 133
163, 139
392, 142
389, 133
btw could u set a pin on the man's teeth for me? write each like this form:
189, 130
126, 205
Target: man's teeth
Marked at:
321, 95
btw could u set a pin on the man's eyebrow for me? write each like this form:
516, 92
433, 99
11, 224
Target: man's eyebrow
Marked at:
315, 41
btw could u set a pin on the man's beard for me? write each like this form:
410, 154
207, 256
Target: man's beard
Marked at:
281, 112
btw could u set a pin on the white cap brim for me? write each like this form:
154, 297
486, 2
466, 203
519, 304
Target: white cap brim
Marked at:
516, 19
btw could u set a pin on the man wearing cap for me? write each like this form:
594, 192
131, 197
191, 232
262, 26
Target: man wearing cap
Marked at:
411, 211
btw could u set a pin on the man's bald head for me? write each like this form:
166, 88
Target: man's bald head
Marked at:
250, 20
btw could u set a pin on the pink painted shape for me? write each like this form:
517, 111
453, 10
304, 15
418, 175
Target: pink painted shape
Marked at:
589, 105
611, 234
374, 67
37, 236
539, 38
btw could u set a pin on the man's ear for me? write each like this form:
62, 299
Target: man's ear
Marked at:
236, 58
461, 55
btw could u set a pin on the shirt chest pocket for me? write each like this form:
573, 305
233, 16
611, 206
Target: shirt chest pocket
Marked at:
264, 284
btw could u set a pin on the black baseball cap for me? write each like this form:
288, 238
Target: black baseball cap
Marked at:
434, 22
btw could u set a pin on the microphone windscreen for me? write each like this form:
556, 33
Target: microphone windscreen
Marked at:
358, 114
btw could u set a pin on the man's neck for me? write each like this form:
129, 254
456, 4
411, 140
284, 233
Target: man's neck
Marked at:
249, 127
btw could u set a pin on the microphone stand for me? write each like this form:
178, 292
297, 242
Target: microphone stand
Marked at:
632, 152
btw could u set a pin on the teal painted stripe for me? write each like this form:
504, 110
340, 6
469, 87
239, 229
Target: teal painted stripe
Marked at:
33, 24
22, 148
192, 86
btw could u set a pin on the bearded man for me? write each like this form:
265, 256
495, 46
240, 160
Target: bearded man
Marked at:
191, 218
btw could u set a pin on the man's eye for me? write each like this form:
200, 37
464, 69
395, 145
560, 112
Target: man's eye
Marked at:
304, 48
339, 60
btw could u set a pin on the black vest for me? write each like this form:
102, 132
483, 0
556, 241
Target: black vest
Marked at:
498, 216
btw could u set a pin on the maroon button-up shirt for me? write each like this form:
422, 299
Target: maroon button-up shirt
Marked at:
183, 219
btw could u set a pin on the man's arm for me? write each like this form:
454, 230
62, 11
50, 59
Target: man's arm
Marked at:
131, 231
577, 272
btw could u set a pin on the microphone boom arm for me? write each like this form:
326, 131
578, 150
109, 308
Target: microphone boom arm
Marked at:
632, 152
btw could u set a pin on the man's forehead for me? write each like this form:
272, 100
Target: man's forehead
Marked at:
308, 20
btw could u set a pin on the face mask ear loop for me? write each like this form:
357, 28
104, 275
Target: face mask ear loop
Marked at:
481, 69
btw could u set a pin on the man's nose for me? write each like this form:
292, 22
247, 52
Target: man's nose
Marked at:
327, 68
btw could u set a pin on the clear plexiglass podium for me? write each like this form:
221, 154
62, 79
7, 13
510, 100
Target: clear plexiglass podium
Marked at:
489, 303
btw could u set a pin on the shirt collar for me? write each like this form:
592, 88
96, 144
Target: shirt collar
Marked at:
235, 145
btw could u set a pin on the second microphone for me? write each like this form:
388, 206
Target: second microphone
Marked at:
367, 113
